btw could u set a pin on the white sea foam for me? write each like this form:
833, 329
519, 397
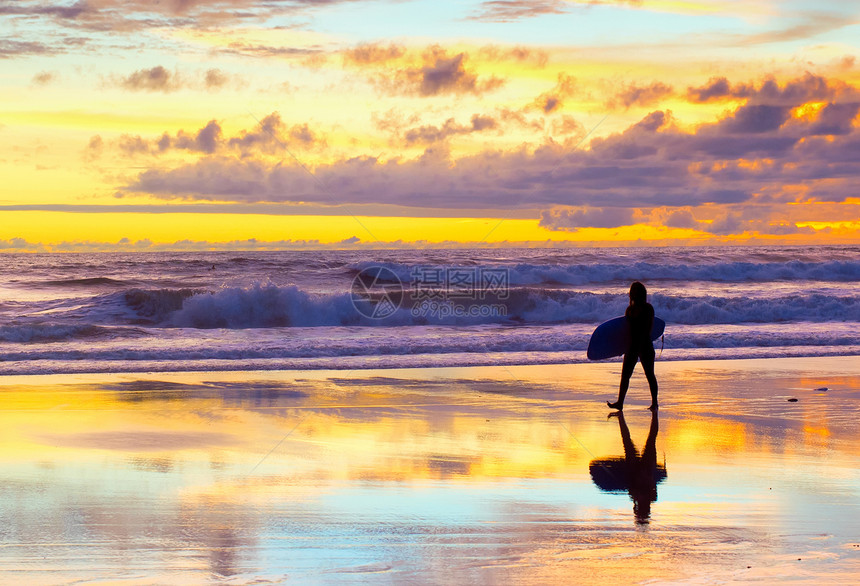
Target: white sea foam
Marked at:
273, 306
61, 313
725, 272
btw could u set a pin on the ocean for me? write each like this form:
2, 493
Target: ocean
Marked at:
348, 309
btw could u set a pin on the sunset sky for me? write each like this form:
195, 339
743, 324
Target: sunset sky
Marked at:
198, 124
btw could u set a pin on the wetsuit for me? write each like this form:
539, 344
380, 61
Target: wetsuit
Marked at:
641, 320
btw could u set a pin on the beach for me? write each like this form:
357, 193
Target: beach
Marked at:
337, 291
495, 474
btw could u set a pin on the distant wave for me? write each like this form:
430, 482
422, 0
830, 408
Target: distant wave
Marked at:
52, 332
155, 304
724, 272
263, 306
88, 282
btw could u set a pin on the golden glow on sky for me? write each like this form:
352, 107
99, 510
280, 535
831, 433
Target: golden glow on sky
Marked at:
60, 231
471, 109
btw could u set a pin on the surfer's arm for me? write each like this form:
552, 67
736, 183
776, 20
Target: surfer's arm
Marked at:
650, 320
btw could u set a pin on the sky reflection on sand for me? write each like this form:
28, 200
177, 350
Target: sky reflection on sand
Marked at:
468, 474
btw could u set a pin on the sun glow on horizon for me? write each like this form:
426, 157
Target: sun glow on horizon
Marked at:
713, 119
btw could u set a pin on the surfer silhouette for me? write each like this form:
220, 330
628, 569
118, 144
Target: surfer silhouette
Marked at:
640, 317
638, 474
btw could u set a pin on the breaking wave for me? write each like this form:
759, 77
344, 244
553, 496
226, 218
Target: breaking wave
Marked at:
265, 306
723, 272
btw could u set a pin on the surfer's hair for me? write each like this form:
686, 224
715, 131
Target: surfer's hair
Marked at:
638, 294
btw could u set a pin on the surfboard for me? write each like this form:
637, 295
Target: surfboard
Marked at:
612, 338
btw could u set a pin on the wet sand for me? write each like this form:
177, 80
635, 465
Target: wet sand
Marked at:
501, 475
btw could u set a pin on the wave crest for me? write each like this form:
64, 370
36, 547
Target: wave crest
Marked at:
721, 272
271, 306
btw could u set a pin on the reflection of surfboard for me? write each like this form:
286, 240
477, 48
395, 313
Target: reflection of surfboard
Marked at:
612, 338
615, 474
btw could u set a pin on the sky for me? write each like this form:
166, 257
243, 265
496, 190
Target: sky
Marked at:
226, 124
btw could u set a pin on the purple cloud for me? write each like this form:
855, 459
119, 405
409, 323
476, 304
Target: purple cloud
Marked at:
573, 219
553, 99
757, 154
373, 54
718, 88
44, 78
439, 73
639, 95
272, 136
430, 134
155, 79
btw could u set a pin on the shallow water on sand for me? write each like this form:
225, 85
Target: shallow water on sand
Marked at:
472, 474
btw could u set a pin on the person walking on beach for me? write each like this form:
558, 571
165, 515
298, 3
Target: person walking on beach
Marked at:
640, 317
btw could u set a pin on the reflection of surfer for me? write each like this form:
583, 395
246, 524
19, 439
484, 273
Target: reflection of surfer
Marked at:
636, 474
640, 316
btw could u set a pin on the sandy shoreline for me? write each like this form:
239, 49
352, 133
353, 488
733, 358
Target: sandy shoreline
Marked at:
487, 474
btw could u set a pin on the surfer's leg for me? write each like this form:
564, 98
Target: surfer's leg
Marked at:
626, 372
647, 359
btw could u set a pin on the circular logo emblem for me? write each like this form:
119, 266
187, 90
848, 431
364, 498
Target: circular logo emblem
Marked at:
376, 292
